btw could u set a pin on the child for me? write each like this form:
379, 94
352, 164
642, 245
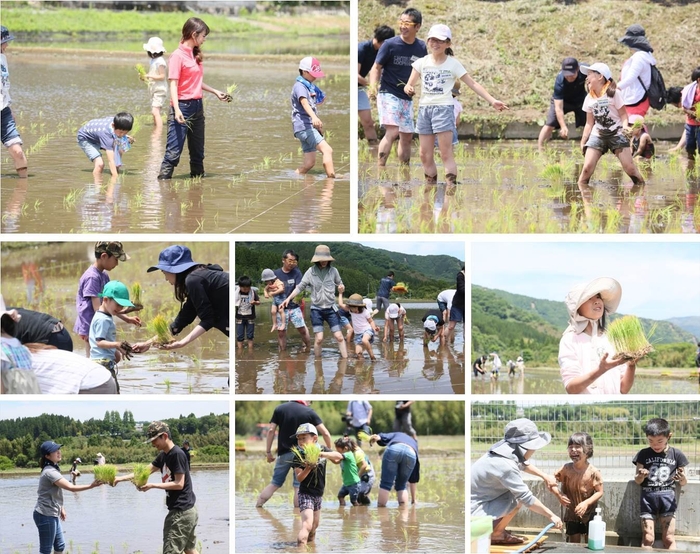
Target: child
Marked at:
312, 483
274, 288
105, 134
16, 365
308, 128
438, 72
245, 300
10, 134
394, 315
351, 476
581, 487
457, 108
74, 471
365, 470
157, 84
690, 100
433, 327
606, 120
104, 347
659, 468
108, 254
641, 143
363, 325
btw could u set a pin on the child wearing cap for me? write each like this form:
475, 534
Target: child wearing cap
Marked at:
308, 128
108, 254
10, 134
104, 347
109, 134
394, 315
433, 326
245, 300
157, 84
363, 326
274, 288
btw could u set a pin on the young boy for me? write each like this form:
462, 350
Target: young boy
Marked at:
364, 327
10, 134
104, 347
108, 254
433, 327
274, 288
312, 482
659, 468
105, 134
308, 128
245, 300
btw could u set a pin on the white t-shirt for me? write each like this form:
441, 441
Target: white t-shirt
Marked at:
153, 70
446, 296
580, 354
606, 112
5, 74
61, 372
437, 81
360, 322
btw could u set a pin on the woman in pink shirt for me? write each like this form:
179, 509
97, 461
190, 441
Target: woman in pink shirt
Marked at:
186, 76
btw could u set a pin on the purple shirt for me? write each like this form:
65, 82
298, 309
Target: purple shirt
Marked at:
91, 284
300, 119
99, 131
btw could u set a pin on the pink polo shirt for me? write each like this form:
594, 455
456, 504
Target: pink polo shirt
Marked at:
183, 68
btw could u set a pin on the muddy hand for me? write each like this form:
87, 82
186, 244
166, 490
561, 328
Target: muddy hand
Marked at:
127, 350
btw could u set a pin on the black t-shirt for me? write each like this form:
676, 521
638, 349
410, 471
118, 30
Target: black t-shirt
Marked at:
315, 482
288, 417
436, 313
187, 453
207, 298
34, 326
459, 297
398, 412
479, 363
366, 54
662, 467
176, 462
571, 93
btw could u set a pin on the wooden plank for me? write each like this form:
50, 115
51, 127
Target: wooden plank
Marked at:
504, 549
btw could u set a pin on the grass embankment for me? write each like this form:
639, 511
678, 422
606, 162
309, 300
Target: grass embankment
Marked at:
514, 49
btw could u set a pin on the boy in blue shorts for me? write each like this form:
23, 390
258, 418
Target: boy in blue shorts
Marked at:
106, 134
308, 128
659, 468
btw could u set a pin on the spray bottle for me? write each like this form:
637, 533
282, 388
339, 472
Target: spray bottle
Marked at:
596, 532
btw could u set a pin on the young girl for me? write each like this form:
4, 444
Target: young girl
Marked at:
641, 143
438, 72
606, 121
365, 470
363, 325
586, 358
581, 487
155, 77
274, 288
351, 476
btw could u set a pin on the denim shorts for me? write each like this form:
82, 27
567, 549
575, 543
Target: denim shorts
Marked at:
442, 306
10, 134
435, 119
657, 504
398, 462
245, 329
395, 111
329, 315
309, 502
344, 321
363, 99
50, 534
293, 315
456, 314
352, 490
282, 466
358, 338
605, 144
309, 138
91, 149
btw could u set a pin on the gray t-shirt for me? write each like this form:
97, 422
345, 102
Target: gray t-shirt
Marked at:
50, 496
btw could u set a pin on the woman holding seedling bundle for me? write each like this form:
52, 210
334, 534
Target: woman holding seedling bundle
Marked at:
586, 358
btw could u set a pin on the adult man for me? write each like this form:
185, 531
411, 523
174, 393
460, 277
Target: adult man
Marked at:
569, 94
444, 302
384, 291
181, 521
457, 309
287, 417
291, 276
366, 54
359, 415
391, 70
186, 449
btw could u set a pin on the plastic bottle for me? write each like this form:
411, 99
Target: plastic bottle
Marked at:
596, 532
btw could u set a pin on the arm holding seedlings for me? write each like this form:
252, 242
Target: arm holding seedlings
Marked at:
627, 379
481, 91
374, 326
578, 384
315, 121
112, 164
303, 472
159, 76
223, 96
559, 111
412, 80
67, 485
197, 332
374, 77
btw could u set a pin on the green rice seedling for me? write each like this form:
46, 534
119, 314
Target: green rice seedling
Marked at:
311, 453
141, 70
141, 474
364, 437
106, 473
628, 338
159, 326
136, 293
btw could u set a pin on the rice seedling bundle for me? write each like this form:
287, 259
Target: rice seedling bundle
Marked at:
141, 70
400, 288
106, 473
364, 437
159, 326
141, 474
628, 338
310, 453
136, 293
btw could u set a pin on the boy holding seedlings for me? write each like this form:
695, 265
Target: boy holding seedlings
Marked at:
659, 468
274, 288
363, 326
106, 134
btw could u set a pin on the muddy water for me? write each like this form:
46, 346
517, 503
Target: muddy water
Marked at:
401, 367
436, 523
547, 381
120, 519
251, 153
506, 187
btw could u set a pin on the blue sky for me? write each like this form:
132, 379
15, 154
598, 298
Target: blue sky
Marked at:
659, 280
421, 248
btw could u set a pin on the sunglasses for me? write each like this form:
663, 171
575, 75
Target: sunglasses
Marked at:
403, 23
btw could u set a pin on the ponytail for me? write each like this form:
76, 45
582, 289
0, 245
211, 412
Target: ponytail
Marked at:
612, 88
449, 51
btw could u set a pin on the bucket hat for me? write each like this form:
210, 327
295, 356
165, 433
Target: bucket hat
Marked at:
635, 37
355, 300
114, 248
521, 433
117, 291
392, 311
5, 35
322, 254
155, 430
154, 45
598, 67
313, 66
305, 428
49, 447
268, 275
174, 259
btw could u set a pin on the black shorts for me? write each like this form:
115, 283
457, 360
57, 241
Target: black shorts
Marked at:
657, 504
578, 112
576, 528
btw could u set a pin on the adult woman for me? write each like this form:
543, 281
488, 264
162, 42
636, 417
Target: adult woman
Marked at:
399, 465
201, 289
49, 510
585, 354
322, 279
186, 76
457, 309
497, 486
636, 67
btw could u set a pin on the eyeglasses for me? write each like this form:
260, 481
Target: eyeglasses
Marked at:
291, 261
403, 23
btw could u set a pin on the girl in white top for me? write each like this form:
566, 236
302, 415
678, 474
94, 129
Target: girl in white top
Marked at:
362, 323
438, 72
585, 354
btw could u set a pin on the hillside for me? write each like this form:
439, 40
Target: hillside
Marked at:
690, 324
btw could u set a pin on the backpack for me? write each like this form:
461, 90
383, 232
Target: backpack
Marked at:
657, 89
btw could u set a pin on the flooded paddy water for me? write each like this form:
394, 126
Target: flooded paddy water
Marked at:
401, 367
508, 187
251, 154
114, 520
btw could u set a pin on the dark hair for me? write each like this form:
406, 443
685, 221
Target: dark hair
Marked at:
301, 72
346, 443
8, 325
180, 287
244, 281
414, 14
123, 121
290, 252
673, 95
612, 85
390, 274
384, 32
585, 440
154, 55
318, 264
695, 75
657, 426
194, 26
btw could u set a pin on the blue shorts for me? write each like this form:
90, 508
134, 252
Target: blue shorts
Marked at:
282, 466
657, 504
435, 119
329, 315
10, 134
442, 306
352, 490
363, 99
344, 321
456, 314
245, 329
358, 338
398, 462
293, 315
91, 149
309, 138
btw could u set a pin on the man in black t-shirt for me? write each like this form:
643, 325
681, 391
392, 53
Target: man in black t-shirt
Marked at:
42, 328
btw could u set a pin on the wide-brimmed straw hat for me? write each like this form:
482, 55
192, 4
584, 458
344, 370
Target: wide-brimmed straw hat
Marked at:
322, 254
609, 289
355, 300
521, 433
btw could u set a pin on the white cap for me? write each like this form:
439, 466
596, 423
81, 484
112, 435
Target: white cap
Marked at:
440, 32
154, 45
392, 311
313, 66
598, 67
430, 325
